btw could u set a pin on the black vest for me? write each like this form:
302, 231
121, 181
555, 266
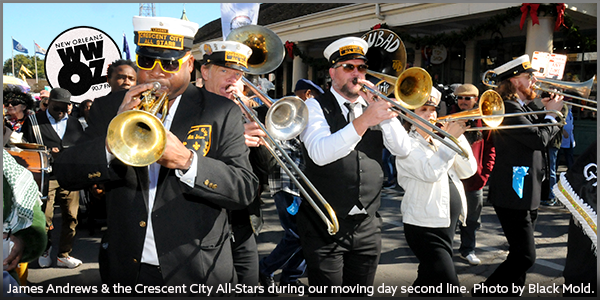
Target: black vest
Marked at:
352, 180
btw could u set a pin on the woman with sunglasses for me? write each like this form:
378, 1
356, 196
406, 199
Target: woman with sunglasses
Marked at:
434, 200
18, 107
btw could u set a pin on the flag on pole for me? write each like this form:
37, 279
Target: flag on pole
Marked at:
126, 48
235, 15
39, 50
17, 46
25, 71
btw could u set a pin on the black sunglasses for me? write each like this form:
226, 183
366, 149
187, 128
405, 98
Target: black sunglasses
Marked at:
15, 103
464, 98
60, 108
350, 67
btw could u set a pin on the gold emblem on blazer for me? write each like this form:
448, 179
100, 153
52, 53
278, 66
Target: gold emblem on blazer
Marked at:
199, 138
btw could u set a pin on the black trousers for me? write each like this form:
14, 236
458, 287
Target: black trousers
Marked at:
518, 226
349, 258
433, 248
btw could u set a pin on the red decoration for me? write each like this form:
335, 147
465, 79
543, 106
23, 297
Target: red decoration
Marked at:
289, 46
532, 8
377, 26
560, 18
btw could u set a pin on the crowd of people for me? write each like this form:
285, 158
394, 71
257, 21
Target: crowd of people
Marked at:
192, 216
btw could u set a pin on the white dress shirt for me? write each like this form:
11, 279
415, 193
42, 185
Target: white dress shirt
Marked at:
59, 126
325, 147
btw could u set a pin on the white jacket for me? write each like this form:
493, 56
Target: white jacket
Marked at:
423, 175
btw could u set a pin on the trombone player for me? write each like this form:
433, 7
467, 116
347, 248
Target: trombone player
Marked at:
167, 222
224, 64
342, 146
515, 184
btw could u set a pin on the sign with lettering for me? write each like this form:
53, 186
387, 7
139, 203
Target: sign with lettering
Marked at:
78, 59
386, 54
549, 65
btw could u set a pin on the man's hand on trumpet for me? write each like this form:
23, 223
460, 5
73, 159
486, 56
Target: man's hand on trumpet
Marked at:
455, 127
552, 102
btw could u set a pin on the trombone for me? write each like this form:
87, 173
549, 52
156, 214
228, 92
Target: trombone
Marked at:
582, 88
412, 88
491, 112
286, 118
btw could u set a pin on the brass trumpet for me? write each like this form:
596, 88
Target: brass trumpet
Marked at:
137, 137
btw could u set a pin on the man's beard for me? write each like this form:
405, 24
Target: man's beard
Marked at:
348, 92
529, 93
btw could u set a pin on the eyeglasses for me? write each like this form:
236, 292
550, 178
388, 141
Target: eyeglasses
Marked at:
464, 98
167, 65
60, 108
14, 103
350, 67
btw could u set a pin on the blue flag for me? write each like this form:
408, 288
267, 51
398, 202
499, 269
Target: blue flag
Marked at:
17, 46
126, 48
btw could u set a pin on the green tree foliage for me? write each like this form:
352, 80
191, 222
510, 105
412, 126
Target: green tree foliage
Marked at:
28, 61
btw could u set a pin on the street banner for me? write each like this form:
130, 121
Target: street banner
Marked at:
235, 15
78, 59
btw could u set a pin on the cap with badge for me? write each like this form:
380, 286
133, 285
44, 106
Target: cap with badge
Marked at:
434, 97
519, 65
467, 89
346, 49
163, 37
228, 54
60, 95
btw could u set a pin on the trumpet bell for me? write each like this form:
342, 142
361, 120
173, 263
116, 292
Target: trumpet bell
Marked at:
136, 137
268, 51
287, 118
413, 87
490, 104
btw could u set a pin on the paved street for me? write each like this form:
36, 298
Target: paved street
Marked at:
397, 267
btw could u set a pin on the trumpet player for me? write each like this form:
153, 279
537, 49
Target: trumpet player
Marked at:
434, 198
515, 184
167, 222
342, 146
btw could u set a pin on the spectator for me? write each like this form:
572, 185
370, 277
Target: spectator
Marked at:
44, 97
467, 96
306, 89
553, 151
121, 75
23, 218
18, 107
84, 112
55, 129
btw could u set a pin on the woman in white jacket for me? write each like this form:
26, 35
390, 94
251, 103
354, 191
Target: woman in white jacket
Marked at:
434, 199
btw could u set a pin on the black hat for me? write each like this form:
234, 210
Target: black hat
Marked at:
162, 37
228, 54
519, 65
305, 84
60, 95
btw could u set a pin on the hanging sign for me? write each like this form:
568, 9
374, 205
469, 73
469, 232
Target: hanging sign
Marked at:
78, 59
549, 65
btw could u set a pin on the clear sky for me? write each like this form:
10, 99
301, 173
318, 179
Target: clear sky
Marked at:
43, 22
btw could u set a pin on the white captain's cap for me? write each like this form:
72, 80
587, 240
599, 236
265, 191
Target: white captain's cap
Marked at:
345, 49
163, 37
228, 54
434, 97
514, 67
